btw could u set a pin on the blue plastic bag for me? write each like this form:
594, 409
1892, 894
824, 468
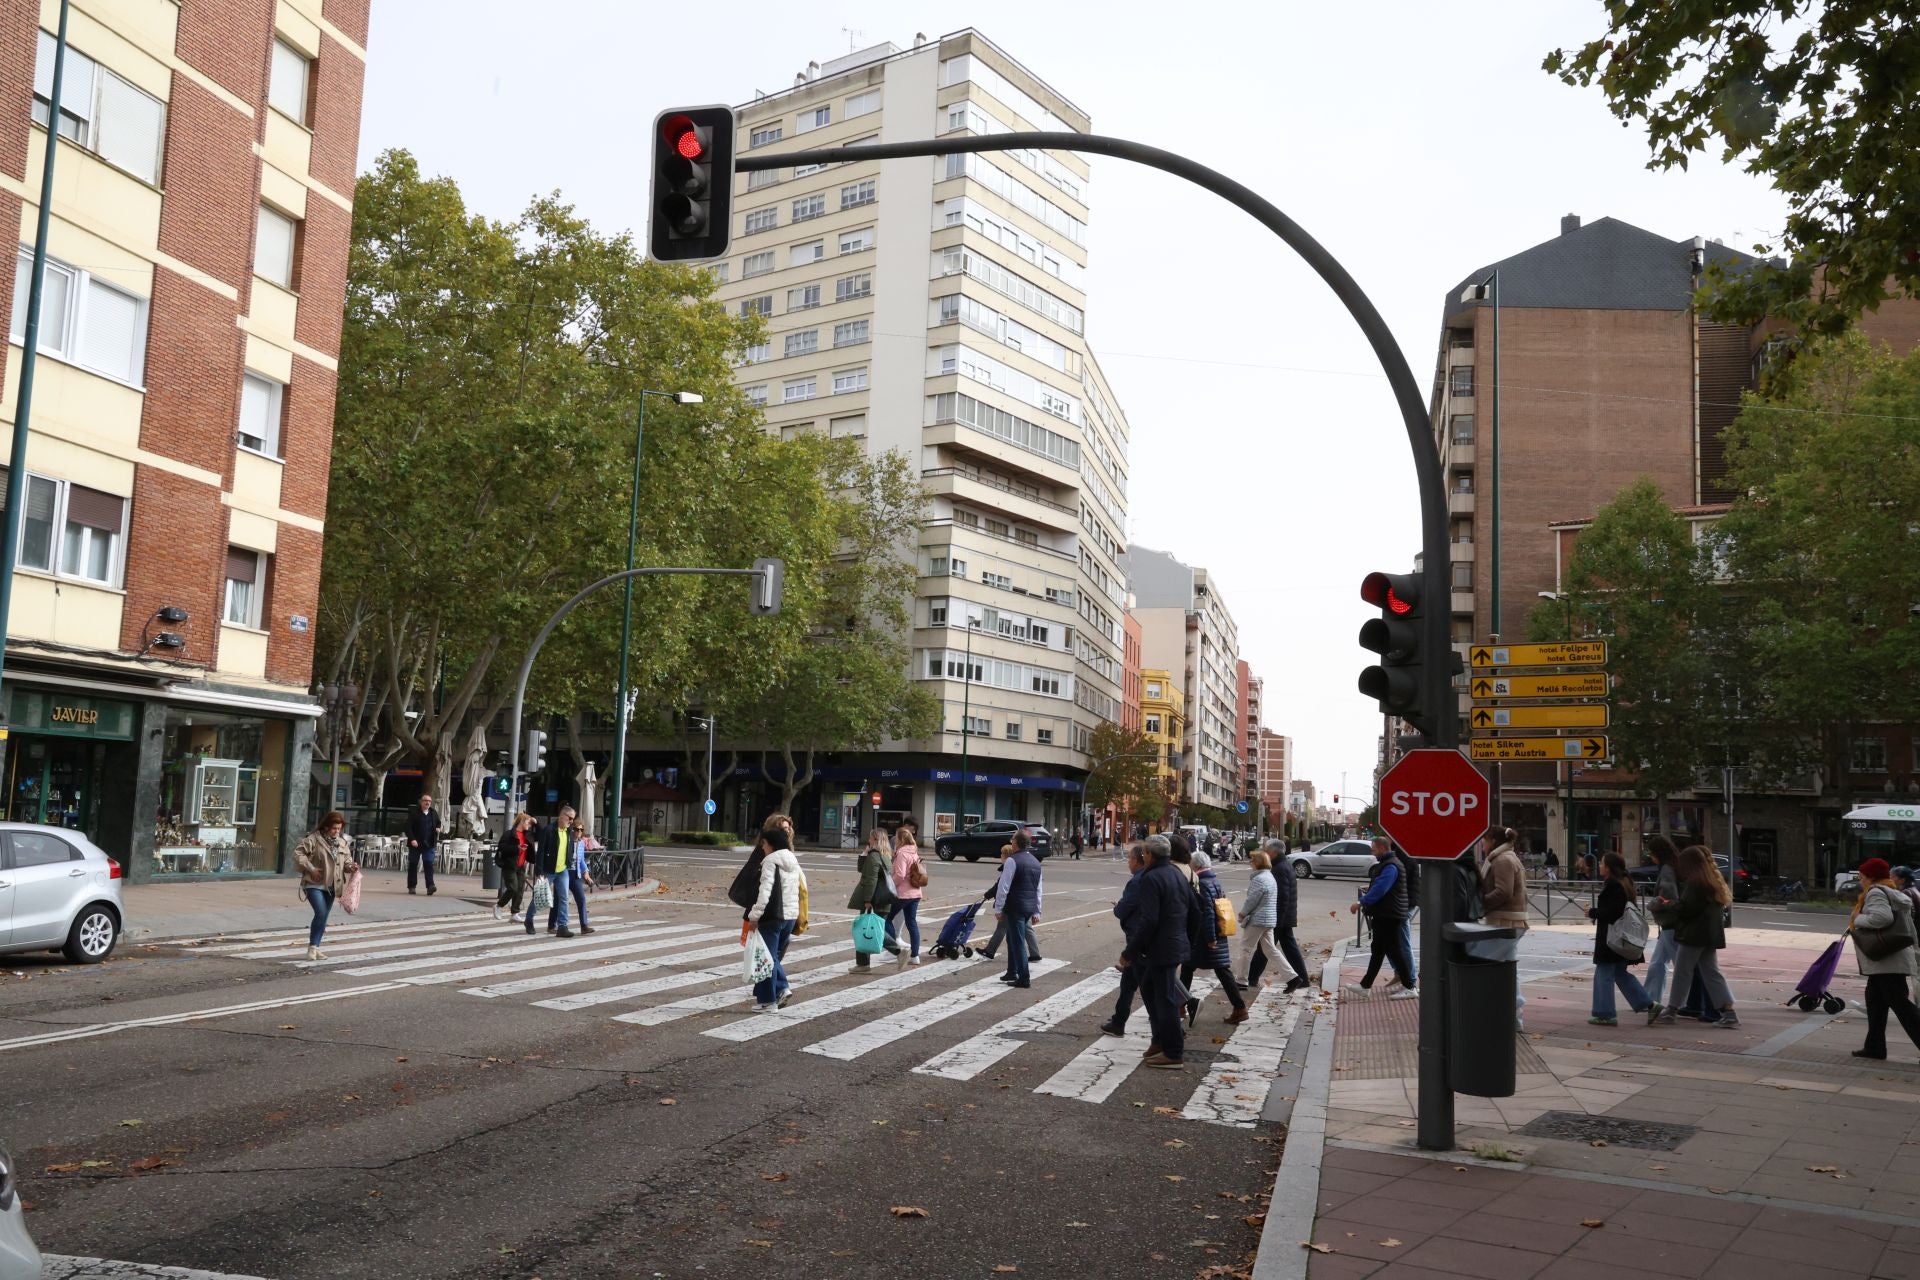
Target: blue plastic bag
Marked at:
869, 934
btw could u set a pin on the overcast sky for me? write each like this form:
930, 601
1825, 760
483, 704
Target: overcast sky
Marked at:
1416, 141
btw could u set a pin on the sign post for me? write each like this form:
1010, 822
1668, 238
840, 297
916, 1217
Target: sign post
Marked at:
1433, 803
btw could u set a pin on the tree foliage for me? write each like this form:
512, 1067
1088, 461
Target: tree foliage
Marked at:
1124, 767
1817, 96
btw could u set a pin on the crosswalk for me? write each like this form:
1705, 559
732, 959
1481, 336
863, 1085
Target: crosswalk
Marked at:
642, 971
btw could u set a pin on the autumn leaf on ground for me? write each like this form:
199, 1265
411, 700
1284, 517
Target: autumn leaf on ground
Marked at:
154, 1162
73, 1167
669, 1102
129, 1124
1078, 1224
761, 1244
775, 1177
1003, 1268
1255, 1220
1823, 1168
1166, 1111
1593, 1222
908, 1211
1388, 1243
289, 1026
1173, 1177
1597, 1142
96, 1164
1317, 1248
1175, 1143
349, 1097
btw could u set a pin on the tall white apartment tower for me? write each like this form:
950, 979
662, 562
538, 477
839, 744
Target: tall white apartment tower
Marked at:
937, 307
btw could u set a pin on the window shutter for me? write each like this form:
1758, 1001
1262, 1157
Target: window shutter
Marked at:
95, 509
131, 126
110, 337
242, 565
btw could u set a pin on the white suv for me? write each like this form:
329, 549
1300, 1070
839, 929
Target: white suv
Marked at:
58, 892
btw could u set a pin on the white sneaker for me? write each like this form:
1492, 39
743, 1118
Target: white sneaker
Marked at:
900, 961
497, 915
1404, 994
915, 960
315, 953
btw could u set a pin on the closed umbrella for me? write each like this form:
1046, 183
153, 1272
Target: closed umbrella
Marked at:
473, 810
589, 789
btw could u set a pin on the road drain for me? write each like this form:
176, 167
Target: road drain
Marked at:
1577, 1126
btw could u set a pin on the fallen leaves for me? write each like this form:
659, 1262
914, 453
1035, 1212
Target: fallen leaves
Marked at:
1597, 1142
349, 1097
908, 1211
131, 1124
72, 1166
668, 1102
1317, 1248
1593, 1222
1004, 1268
1173, 1177
761, 1244
1255, 1220
1166, 1111
775, 1177
1823, 1168
154, 1162
289, 1026
1389, 1243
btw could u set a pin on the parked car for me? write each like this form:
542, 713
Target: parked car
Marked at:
19, 1260
1337, 858
58, 892
983, 840
1741, 883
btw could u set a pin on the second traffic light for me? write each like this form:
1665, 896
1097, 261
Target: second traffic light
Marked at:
692, 199
1398, 682
535, 755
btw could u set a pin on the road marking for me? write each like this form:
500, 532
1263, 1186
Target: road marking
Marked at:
1234, 1092
197, 1015
60, 1266
290, 949
867, 1037
221, 942
1106, 1063
629, 990
970, 1057
762, 1024
518, 946
563, 955
722, 999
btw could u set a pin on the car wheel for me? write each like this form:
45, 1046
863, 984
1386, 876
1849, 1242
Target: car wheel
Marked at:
946, 855
1303, 870
973, 857
92, 937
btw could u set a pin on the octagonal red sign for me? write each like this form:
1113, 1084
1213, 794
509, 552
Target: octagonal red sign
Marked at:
1433, 802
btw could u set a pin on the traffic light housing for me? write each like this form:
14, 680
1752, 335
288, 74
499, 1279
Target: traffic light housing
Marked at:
769, 586
535, 756
692, 198
1398, 682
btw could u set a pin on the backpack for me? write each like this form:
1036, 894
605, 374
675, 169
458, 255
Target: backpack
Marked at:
1410, 874
746, 882
1202, 926
1467, 904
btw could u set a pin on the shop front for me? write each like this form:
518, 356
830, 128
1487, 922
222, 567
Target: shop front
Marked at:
223, 793
71, 762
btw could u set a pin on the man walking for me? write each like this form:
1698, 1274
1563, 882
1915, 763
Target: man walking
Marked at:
1017, 901
1157, 946
1387, 905
423, 840
1123, 912
553, 855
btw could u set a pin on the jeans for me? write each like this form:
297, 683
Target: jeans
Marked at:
1017, 953
1257, 943
1608, 976
1129, 987
322, 903
513, 884
907, 909
1388, 947
577, 886
1160, 992
1220, 971
776, 934
558, 879
1706, 963
1887, 993
1659, 960
1407, 950
414, 858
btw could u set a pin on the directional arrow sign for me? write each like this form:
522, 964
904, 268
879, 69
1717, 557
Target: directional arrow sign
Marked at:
1545, 716
1586, 747
1571, 653
1586, 684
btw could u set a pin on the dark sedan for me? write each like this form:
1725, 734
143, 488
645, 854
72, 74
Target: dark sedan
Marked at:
984, 839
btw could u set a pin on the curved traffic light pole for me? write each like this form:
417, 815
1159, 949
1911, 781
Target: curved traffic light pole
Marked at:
1437, 698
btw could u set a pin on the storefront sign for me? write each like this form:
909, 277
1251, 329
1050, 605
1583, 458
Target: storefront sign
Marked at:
72, 715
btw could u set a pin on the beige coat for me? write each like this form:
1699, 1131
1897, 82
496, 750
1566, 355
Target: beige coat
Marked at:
1885, 905
323, 863
1503, 888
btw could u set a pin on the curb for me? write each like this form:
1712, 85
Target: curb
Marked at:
1295, 1201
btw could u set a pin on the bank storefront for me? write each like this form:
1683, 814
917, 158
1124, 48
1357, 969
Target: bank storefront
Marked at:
174, 779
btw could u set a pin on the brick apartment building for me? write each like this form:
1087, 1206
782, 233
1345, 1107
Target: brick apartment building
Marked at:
161, 640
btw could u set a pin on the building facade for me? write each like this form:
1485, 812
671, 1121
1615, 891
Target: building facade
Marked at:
1246, 733
160, 645
1186, 627
937, 308
1276, 772
1130, 675
1163, 710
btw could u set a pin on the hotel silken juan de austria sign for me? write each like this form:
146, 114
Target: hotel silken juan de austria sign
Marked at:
1538, 702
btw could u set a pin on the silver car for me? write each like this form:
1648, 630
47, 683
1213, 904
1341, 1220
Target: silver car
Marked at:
1339, 858
58, 892
19, 1260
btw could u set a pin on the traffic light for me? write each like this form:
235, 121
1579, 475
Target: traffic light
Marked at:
769, 585
535, 756
1398, 681
692, 183
876, 799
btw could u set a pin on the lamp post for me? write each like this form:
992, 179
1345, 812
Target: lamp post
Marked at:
966, 731
618, 779
704, 809
339, 700
1566, 805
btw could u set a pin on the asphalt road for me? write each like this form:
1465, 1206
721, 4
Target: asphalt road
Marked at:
408, 1109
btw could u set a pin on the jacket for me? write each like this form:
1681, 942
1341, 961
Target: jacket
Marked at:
424, 828
323, 863
783, 864
546, 843
1611, 906
1698, 919
905, 859
1261, 907
1157, 927
1129, 898
1220, 953
1386, 895
1503, 887
1019, 893
516, 850
1886, 905
1287, 896
872, 866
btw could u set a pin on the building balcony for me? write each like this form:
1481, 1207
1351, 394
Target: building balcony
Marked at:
1459, 504
958, 530
1460, 454
984, 491
1463, 602
1460, 552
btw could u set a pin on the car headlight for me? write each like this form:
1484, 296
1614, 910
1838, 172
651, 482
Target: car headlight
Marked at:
8, 1192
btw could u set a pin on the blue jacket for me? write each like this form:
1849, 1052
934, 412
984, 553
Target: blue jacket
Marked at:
1220, 952
1386, 895
1157, 926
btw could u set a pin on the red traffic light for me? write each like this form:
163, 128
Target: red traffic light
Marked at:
876, 799
1378, 589
689, 145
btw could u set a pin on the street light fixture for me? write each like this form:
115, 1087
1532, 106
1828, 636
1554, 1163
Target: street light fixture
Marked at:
966, 730
618, 772
708, 721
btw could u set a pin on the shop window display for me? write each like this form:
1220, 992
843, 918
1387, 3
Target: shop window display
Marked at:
223, 788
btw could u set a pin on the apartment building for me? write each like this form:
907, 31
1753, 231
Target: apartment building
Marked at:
1186, 627
1276, 771
1163, 718
1130, 687
1246, 735
160, 645
937, 307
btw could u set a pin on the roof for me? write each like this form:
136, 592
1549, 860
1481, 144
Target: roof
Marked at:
1607, 265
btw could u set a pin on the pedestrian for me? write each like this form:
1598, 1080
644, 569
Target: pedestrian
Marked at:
874, 892
1217, 954
515, 852
1157, 947
325, 862
423, 843
1123, 912
1700, 931
1018, 897
1259, 916
774, 912
1553, 865
1003, 923
1903, 881
1286, 918
1387, 905
1666, 891
909, 879
1503, 897
1610, 968
1883, 907
579, 874
553, 858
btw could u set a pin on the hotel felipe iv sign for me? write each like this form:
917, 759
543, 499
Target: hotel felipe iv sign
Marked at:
71, 715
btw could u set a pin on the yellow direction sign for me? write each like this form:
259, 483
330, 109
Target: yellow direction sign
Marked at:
1585, 684
1570, 653
1543, 716
1586, 747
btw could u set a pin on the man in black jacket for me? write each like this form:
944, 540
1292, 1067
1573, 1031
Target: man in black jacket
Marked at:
1123, 911
1157, 947
1287, 917
1388, 905
423, 839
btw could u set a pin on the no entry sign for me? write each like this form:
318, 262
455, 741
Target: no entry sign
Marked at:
1434, 803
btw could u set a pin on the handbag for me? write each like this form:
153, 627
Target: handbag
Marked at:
757, 964
1627, 936
746, 881
800, 925
543, 894
350, 892
883, 895
1224, 917
869, 934
917, 874
1884, 941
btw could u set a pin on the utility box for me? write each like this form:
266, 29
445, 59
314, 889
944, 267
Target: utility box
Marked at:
1483, 981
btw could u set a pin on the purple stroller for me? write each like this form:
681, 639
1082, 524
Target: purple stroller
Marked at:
1812, 993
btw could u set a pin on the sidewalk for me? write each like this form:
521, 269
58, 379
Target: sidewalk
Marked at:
1626, 1151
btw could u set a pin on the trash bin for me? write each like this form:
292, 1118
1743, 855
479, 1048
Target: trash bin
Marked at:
1483, 973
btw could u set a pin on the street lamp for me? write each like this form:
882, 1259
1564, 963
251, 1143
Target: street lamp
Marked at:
618, 779
339, 700
966, 730
1566, 598
705, 809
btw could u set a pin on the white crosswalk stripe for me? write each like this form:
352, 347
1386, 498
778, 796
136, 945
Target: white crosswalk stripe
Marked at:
561, 955
873, 989
738, 995
1236, 1086
353, 945
518, 945
867, 1037
338, 928
632, 990
970, 1057
1104, 1065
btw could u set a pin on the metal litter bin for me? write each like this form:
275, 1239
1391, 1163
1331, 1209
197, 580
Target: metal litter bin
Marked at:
1483, 976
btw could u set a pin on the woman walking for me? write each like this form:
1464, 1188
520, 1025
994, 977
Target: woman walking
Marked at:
1610, 968
1217, 955
1701, 934
1259, 916
515, 852
1883, 908
774, 912
1666, 887
909, 878
874, 892
325, 862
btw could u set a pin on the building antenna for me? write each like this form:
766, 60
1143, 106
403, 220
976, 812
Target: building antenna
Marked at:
852, 36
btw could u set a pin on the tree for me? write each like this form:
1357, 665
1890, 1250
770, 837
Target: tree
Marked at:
1123, 766
1814, 95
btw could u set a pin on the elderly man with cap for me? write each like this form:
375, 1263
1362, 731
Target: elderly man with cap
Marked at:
1157, 947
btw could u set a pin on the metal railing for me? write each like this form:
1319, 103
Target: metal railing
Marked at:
611, 867
1565, 899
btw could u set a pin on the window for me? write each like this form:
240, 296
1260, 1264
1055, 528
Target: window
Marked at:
1463, 575
849, 380
1027, 536
803, 342
1153, 689
83, 320
977, 726
32, 849
854, 428
943, 567
719, 272
812, 206
756, 264
998, 528
803, 170
999, 580
101, 112
854, 286
1868, 755
244, 580
273, 247
760, 306
1463, 532
1460, 380
1060, 595
1463, 482
812, 251
762, 220
856, 241
971, 519
1153, 724
1043, 736
798, 389
287, 88
1463, 428
757, 396
862, 104
761, 137
857, 193
260, 400
813, 118
1013, 731
757, 353
804, 297
91, 544
850, 333
762, 178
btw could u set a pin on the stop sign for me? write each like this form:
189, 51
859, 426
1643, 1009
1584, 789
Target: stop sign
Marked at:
1433, 803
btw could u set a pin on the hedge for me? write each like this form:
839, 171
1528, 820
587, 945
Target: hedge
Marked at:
702, 837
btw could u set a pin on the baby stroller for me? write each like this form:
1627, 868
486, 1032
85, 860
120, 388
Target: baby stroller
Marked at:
1812, 993
952, 942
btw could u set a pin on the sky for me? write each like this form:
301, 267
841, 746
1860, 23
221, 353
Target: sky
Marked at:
1415, 141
